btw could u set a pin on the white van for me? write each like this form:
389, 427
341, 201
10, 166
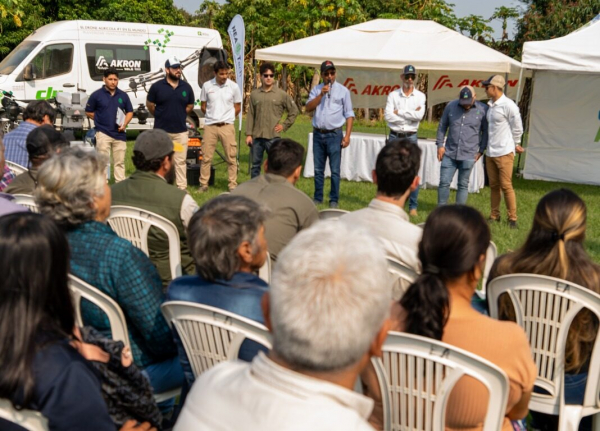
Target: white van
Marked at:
71, 55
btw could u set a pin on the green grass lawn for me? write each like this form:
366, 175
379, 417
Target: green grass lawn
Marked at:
355, 195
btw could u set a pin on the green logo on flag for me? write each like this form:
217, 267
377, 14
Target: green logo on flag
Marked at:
238, 48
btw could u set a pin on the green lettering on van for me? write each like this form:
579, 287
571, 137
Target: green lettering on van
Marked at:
46, 94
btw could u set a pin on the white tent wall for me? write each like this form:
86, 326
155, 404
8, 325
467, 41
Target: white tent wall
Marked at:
564, 136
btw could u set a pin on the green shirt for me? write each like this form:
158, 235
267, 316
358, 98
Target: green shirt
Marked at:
266, 111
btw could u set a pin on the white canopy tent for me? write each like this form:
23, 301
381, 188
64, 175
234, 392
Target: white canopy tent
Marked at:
564, 132
382, 46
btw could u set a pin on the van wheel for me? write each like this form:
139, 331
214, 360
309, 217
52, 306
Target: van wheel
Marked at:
192, 126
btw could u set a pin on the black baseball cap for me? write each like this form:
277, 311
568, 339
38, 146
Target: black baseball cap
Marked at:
465, 97
409, 69
326, 65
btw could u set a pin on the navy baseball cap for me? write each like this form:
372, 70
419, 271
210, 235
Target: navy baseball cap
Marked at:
465, 97
409, 69
172, 62
326, 65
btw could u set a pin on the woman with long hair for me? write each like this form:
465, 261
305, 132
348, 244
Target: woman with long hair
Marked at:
438, 305
554, 247
40, 369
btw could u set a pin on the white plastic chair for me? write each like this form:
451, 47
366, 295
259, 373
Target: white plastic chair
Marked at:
210, 335
26, 201
490, 258
545, 308
118, 324
401, 277
28, 419
265, 271
133, 225
15, 167
417, 375
331, 214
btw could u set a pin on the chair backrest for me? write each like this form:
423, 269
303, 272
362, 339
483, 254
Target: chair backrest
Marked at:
15, 167
211, 335
331, 214
118, 325
28, 419
133, 225
265, 271
26, 201
490, 258
416, 376
401, 277
545, 308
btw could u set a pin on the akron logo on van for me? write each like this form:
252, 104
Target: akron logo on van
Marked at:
102, 64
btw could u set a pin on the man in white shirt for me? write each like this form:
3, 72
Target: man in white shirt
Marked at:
327, 311
404, 111
395, 174
505, 129
221, 102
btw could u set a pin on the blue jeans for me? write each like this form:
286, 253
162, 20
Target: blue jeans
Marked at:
414, 195
447, 171
164, 376
259, 146
327, 145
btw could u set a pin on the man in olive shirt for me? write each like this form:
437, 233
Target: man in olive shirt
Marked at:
263, 122
291, 209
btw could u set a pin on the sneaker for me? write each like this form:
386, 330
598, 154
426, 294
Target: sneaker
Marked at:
493, 220
333, 204
513, 224
413, 213
203, 189
316, 202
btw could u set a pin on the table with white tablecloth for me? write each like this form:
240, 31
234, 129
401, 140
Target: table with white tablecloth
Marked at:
358, 161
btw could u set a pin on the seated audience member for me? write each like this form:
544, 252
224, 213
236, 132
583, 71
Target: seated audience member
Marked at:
291, 209
42, 143
438, 305
6, 175
73, 192
37, 113
396, 175
151, 187
6, 204
554, 248
227, 238
326, 310
41, 370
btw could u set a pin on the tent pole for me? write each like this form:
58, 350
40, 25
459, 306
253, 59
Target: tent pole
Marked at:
526, 131
519, 86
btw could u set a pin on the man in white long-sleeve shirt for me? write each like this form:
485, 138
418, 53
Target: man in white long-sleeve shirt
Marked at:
404, 111
505, 129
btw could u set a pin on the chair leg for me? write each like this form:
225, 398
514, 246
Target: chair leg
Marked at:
569, 418
596, 422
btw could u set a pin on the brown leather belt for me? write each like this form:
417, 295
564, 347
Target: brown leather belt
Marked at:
401, 134
326, 131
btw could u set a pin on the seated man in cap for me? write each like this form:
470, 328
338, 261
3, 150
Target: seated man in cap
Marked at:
151, 188
326, 310
466, 142
42, 143
404, 111
291, 209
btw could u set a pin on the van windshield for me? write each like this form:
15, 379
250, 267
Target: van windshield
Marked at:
17, 55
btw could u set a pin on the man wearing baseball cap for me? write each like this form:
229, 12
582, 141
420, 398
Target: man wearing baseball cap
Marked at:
333, 107
151, 188
170, 100
505, 129
465, 121
404, 111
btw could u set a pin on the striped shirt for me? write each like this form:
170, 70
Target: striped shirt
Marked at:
14, 144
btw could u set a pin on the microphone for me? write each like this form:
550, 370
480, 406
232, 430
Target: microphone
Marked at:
329, 92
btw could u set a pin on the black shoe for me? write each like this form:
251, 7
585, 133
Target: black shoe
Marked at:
333, 204
493, 220
316, 202
513, 224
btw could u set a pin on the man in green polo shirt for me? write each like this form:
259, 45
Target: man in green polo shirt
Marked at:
265, 112
151, 187
291, 209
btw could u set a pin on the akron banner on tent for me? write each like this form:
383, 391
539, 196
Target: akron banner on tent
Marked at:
370, 89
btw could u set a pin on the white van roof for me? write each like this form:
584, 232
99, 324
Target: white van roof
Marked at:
80, 28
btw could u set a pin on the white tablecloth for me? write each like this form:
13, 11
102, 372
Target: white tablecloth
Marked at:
358, 161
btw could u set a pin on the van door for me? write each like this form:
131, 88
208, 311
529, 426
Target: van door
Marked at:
52, 70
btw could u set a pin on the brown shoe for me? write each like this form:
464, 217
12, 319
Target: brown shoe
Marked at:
413, 213
203, 189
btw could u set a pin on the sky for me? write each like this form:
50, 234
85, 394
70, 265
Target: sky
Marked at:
462, 8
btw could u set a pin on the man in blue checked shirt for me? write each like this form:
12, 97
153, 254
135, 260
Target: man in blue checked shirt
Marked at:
467, 126
333, 107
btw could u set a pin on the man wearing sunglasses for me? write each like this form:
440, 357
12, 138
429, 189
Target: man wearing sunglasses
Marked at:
333, 107
265, 112
404, 111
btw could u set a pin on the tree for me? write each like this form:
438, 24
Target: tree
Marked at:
206, 14
476, 27
505, 13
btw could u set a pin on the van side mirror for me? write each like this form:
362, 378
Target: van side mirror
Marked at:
29, 73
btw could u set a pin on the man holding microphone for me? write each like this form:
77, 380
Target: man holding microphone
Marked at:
333, 107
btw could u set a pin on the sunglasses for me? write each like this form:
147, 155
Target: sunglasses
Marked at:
410, 77
266, 75
332, 73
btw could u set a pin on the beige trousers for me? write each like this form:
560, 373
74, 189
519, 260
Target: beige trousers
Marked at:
179, 159
500, 170
212, 134
104, 144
